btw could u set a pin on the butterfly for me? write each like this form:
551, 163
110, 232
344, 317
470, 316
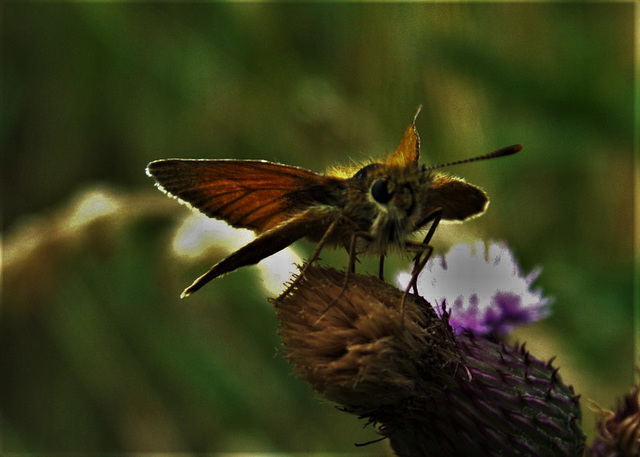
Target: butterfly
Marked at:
372, 209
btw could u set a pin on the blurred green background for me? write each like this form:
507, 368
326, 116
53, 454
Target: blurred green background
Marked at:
98, 352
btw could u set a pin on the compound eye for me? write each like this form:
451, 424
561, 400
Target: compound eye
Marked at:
380, 191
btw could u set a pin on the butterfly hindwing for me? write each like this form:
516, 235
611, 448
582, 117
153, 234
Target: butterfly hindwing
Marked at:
268, 243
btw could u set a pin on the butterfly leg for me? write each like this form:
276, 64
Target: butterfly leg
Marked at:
381, 269
352, 257
419, 264
310, 260
350, 269
424, 251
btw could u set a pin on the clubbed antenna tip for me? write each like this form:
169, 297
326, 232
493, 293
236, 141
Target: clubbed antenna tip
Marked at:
492, 155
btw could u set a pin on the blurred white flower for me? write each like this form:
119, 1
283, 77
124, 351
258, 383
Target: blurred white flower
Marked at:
483, 291
91, 206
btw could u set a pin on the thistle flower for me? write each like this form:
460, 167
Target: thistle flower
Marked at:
483, 289
430, 391
618, 432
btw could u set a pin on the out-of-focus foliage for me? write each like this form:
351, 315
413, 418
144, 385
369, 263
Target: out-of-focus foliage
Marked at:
98, 352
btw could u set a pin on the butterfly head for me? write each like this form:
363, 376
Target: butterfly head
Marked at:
386, 200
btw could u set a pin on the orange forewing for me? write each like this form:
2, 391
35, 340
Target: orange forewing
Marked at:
409, 150
245, 193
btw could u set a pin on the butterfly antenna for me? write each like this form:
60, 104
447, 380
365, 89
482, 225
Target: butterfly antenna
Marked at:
492, 155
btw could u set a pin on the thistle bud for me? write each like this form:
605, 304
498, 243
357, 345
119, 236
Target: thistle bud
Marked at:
430, 391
